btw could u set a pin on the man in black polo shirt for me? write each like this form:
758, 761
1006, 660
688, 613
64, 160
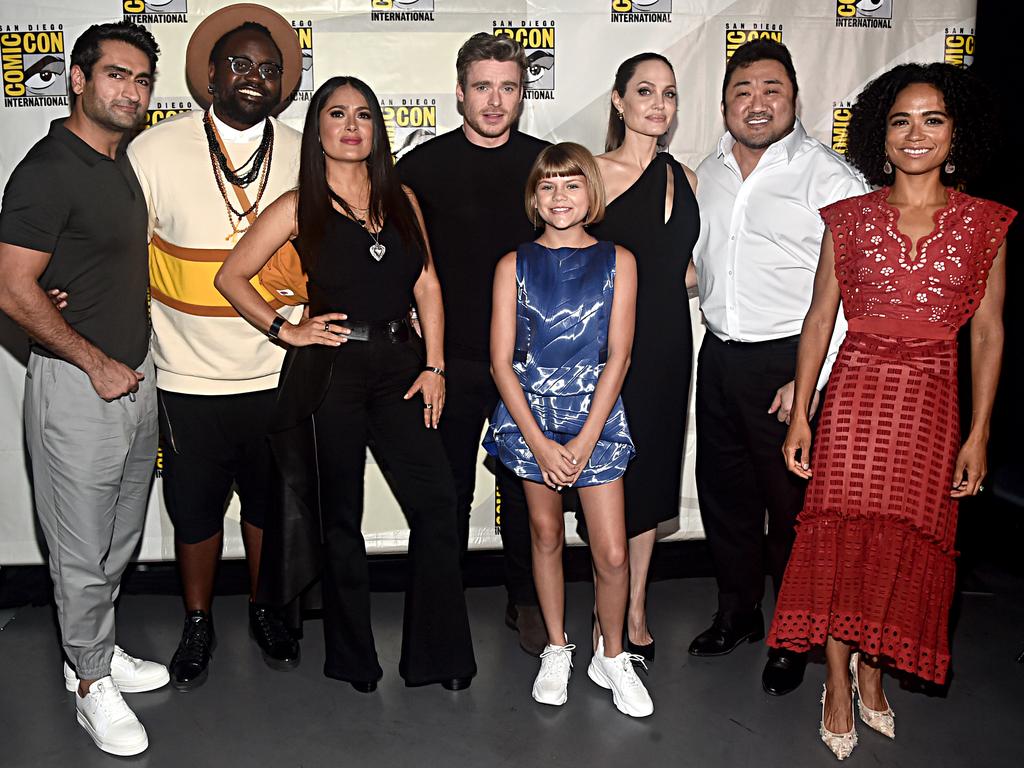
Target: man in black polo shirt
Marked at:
74, 219
469, 183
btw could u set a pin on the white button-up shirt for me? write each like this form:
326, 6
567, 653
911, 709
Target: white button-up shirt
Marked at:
760, 237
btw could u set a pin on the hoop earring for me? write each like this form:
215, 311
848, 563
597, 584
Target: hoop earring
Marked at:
887, 167
209, 88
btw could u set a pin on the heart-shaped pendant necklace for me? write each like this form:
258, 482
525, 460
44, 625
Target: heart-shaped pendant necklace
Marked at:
377, 249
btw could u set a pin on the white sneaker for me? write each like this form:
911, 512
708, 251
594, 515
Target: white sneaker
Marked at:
617, 675
129, 674
552, 683
109, 721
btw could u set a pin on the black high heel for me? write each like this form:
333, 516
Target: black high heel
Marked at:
647, 651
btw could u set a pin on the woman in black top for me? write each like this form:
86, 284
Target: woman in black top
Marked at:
356, 373
652, 211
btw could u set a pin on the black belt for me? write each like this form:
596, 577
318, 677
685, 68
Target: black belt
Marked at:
392, 331
784, 341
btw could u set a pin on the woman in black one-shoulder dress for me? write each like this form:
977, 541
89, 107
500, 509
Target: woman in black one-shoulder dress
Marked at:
652, 211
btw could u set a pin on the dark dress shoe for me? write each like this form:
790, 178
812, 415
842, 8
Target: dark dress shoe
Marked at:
528, 622
189, 665
726, 632
647, 651
456, 683
784, 671
280, 649
364, 686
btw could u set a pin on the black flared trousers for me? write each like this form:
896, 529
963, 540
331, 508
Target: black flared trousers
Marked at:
364, 404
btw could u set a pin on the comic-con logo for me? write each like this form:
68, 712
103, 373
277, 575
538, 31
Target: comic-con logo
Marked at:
304, 30
34, 67
841, 112
959, 46
739, 32
538, 40
401, 10
161, 109
410, 121
641, 11
876, 14
155, 11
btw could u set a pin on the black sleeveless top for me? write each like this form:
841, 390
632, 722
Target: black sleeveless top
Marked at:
346, 278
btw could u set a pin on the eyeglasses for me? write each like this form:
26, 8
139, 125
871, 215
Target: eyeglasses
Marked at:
268, 70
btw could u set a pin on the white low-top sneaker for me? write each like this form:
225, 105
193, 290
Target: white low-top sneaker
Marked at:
618, 675
129, 674
552, 683
109, 721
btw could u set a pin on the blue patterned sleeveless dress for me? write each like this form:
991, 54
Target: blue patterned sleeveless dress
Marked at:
564, 301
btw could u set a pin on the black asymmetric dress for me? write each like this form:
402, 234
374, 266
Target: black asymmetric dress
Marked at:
657, 386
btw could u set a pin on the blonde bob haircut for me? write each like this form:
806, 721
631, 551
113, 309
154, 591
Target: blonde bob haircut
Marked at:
561, 160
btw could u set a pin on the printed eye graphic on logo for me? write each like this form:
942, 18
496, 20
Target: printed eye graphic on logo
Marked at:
538, 64
413, 139
874, 7
45, 76
166, 6
306, 83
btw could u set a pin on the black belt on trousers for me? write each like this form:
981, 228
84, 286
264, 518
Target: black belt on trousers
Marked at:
393, 331
784, 341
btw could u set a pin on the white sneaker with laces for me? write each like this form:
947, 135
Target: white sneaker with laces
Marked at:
129, 674
552, 682
109, 721
617, 674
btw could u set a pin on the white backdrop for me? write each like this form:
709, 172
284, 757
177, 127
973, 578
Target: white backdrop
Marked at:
406, 50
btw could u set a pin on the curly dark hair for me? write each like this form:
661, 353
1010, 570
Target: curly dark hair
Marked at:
969, 104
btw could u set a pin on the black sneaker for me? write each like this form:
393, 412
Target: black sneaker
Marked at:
280, 649
189, 664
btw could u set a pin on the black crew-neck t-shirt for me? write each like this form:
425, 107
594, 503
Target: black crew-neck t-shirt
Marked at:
89, 213
472, 201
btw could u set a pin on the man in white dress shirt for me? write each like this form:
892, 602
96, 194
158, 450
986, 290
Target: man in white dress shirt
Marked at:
759, 195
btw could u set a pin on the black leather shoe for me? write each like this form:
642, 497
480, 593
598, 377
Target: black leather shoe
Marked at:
784, 671
280, 649
189, 665
456, 683
528, 622
647, 651
726, 632
368, 686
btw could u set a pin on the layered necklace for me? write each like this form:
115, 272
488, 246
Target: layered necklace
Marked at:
256, 167
377, 249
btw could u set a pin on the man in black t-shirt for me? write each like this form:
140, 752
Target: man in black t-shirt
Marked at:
74, 219
469, 183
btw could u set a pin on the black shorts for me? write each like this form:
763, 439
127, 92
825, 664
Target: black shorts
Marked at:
209, 444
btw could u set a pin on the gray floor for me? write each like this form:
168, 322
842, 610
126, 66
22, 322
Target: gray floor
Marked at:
709, 712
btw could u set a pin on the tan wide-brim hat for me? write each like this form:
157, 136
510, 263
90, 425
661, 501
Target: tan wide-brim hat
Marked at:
220, 22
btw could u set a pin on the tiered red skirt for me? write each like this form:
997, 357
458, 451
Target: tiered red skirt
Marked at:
873, 560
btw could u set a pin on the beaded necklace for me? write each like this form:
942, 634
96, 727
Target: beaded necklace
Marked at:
222, 173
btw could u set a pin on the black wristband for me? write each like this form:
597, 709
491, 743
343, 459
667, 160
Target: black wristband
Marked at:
438, 371
275, 327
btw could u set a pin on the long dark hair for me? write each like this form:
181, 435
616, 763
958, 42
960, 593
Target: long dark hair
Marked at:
616, 127
387, 198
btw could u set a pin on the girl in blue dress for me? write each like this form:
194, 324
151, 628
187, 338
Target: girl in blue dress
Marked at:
561, 333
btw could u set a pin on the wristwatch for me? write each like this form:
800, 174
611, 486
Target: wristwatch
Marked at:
275, 327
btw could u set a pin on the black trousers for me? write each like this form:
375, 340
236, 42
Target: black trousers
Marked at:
365, 402
470, 401
741, 474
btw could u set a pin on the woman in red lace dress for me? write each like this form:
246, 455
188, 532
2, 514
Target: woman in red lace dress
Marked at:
872, 569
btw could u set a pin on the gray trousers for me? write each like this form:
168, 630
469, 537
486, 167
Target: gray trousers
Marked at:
92, 466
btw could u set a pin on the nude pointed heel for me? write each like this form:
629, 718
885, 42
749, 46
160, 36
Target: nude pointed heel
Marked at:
883, 721
841, 744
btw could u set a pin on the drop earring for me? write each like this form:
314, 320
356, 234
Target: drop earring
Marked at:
209, 88
887, 167
949, 167
620, 117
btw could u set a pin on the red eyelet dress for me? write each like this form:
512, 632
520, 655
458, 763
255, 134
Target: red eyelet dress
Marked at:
873, 560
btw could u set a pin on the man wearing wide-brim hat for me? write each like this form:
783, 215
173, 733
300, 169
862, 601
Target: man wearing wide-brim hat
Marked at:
206, 175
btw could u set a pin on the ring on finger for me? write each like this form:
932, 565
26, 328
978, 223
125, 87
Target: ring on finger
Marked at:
327, 327
429, 406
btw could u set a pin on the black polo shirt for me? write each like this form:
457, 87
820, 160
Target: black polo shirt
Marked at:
89, 213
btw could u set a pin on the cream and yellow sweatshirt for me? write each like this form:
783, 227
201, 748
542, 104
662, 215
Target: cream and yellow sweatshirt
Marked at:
201, 346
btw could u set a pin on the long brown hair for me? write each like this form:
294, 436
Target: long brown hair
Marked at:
387, 198
616, 127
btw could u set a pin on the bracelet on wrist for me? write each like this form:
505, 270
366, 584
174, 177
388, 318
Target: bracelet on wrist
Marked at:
275, 327
432, 369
